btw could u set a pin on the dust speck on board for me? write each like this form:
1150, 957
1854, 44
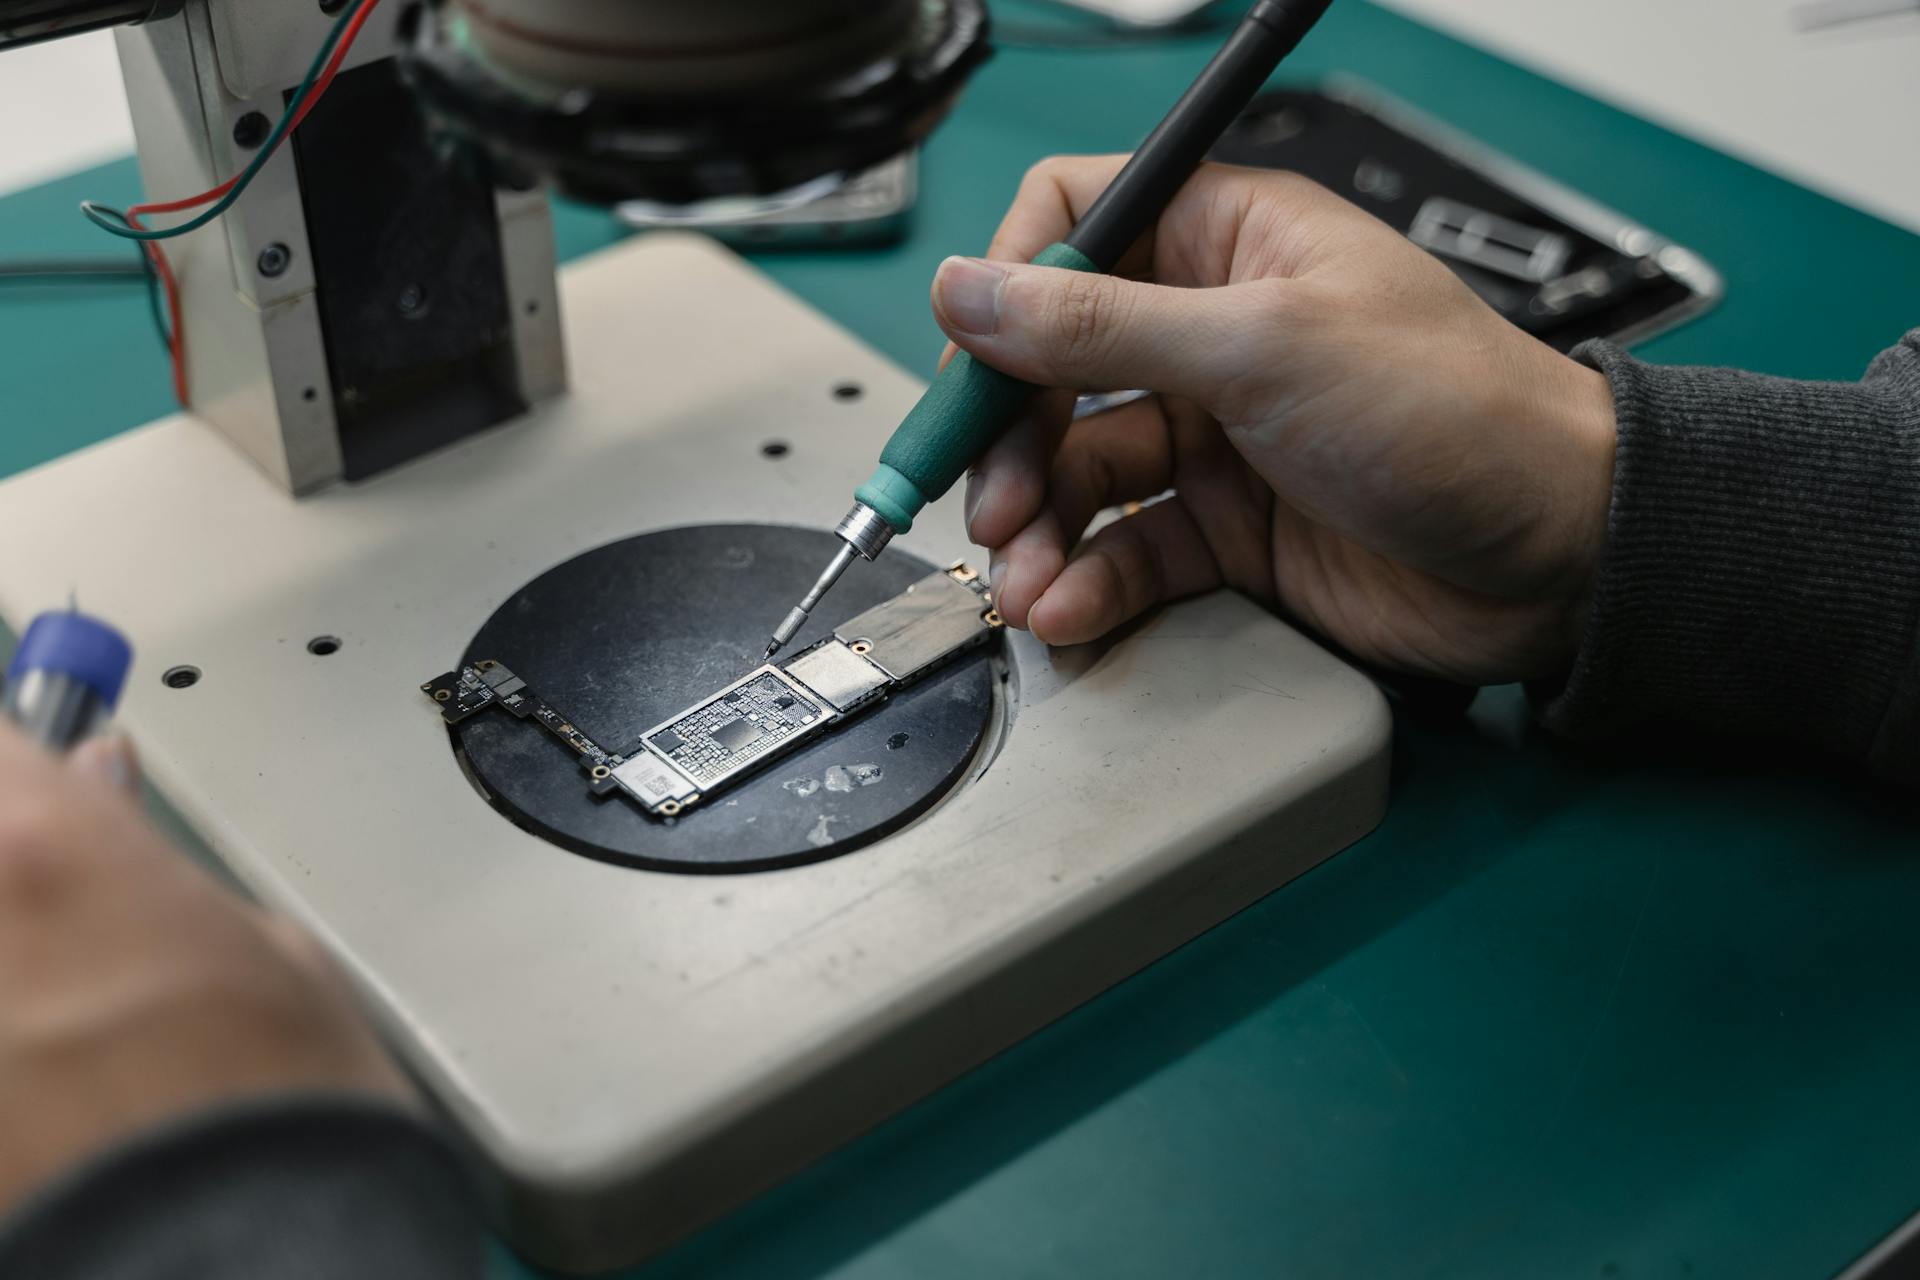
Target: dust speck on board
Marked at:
820, 837
801, 787
737, 557
896, 742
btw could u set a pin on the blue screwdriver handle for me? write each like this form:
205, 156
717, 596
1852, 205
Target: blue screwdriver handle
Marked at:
65, 678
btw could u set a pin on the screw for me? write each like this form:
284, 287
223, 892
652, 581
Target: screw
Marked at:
251, 129
412, 302
274, 259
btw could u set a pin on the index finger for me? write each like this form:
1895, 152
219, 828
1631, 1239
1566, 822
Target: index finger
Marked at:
1055, 194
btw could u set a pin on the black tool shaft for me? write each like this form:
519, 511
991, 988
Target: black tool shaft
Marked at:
967, 405
1175, 148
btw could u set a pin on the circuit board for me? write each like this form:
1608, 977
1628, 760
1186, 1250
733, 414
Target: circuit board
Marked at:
764, 714
716, 739
473, 689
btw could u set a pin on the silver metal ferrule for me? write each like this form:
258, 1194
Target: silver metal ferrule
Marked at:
865, 530
53, 709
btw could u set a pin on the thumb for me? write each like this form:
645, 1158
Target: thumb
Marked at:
109, 760
1093, 332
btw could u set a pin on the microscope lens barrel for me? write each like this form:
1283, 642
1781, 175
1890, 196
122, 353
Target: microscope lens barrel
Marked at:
65, 678
30, 21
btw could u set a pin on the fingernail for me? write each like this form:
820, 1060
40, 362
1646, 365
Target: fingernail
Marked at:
976, 491
970, 294
996, 574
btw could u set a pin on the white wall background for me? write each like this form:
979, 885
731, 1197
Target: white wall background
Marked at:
61, 109
1837, 110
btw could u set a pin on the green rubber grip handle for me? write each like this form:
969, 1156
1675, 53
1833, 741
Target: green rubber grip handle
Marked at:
964, 410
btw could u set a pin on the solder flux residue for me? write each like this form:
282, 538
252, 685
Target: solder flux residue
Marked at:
845, 777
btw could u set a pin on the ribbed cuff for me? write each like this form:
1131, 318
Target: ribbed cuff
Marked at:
1762, 568
290, 1187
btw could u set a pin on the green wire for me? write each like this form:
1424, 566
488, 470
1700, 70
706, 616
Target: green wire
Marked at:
153, 301
112, 220
153, 291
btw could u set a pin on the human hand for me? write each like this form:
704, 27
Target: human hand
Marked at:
132, 987
1345, 428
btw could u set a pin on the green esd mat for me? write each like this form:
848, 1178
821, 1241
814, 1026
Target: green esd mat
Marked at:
1641, 1012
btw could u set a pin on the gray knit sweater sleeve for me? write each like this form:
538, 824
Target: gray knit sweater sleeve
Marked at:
291, 1187
1762, 568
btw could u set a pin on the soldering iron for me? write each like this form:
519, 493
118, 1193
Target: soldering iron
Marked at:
969, 403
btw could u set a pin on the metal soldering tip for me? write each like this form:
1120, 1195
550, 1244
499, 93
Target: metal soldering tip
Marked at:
773, 647
797, 616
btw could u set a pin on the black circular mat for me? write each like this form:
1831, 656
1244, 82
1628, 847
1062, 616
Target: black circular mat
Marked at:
621, 637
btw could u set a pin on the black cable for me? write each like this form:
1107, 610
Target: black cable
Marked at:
1162, 163
154, 303
72, 270
91, 271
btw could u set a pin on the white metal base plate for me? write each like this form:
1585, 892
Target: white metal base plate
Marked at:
635, 1052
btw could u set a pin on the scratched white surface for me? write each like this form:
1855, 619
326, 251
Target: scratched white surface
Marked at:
593, 1026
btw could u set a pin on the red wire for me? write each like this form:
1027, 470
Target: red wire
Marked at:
176, 340
176, 345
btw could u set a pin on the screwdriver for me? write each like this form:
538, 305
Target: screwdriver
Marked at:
969, 404
65, 678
